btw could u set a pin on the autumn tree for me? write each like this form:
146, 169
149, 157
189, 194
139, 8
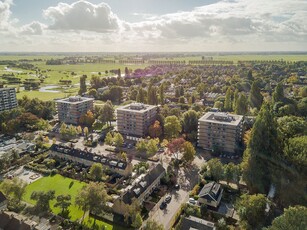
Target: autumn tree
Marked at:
172, 127
188, 151
108, 139
87, 119
155, 130
175, 147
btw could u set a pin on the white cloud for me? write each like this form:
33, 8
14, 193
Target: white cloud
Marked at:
83, 15
5, 13
228, 25
34, 28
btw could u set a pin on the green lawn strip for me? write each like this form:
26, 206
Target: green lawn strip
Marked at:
44, 96
61, 185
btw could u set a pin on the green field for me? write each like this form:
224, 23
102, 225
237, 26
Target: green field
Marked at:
44, 96
62, 185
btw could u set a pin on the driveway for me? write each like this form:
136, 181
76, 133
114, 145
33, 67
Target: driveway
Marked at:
187, 178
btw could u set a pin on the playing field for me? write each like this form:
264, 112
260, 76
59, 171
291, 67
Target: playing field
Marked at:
63, 186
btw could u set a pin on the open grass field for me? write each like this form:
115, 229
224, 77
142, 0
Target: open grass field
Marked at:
44, 96
63, 185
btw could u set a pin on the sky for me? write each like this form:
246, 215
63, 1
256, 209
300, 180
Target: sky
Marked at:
153, 25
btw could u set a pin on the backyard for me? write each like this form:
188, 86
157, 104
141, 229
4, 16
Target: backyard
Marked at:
63, 185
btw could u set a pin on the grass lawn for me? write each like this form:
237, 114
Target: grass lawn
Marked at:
63, 185
44, 96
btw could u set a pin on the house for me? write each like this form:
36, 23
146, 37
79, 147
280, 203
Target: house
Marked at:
142, 187
88, 158
195, 223
211, 194
13, 221
3, 201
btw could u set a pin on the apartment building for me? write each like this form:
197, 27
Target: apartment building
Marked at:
8, 99
71, 109
222, 131
134, 119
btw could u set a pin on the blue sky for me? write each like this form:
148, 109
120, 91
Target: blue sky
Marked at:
153, 25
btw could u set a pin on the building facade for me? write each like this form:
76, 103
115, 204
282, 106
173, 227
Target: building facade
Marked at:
71, 109
8, 99
220, 131
134, 119
140, 190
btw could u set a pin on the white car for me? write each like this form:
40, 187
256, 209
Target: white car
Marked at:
192, 201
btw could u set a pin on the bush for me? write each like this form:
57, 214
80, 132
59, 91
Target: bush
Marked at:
195, 190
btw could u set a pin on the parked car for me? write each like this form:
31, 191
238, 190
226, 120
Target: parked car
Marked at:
192, 201
129, 146
168, 198
177, 186
163, 205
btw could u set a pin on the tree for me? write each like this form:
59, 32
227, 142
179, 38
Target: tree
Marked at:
291, 126
229, 171
107, 113
278, 94
251, 209
296, 152
221, 224
255, 97
188, 151
42, 200
262, 147
189, 121
155, 130
63, 202
235, 99
87, 119
172, 127
137, 221
96, 171
93, 198
15, 188
161, 94
85, 130
293, 218
82, 89
126, 71
250, 75
152, 146
241, 105
215, 168
228, 101
153, 225
109, 139
175, 147
118, 140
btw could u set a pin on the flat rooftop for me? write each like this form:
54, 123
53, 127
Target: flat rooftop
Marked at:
137, 107
222, 118
75, 100
6, 88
